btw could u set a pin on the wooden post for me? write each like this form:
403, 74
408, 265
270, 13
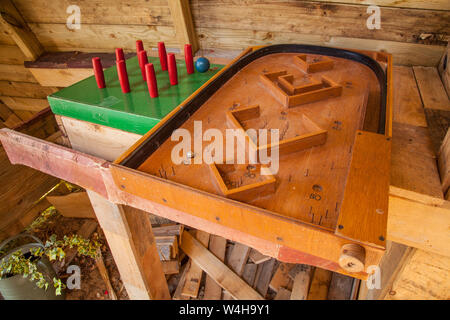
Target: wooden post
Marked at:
391, 265
184, 27
130, 238
19, 31
217, 270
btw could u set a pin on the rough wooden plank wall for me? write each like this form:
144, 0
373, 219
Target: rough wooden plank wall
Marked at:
19, 90
105, 25
415, 32
226, 24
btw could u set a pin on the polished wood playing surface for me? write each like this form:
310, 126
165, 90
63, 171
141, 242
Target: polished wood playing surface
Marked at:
310, 183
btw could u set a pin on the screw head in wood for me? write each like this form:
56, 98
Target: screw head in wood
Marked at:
190, 154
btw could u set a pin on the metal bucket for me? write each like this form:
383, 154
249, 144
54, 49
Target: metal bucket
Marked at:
19, 288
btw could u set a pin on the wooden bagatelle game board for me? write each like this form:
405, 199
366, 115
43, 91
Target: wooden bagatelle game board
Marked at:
327, 204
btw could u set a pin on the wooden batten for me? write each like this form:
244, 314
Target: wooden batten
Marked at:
19, 31
73, 205
217, 246
301, 282
444, 70
367, 184
128, 232
431, 88
184, 26
194, 272
281, 277
217, 270
444, 163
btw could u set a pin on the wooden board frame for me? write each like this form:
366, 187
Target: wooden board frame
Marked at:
219, 212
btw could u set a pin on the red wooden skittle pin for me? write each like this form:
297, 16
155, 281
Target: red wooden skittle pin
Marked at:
151, 80
188, 58
143, 60
173, 75
98, 71
123, 76
162, 55
119, 54
139, 46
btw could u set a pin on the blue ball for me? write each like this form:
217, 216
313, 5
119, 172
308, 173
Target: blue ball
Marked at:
202, 65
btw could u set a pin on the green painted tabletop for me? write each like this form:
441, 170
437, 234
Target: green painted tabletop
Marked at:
132, 112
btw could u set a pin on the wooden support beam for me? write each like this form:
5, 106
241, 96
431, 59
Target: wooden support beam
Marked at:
195, 272
17, 28
431, 88
361, 187
104, 274
281, 278
182, 280
423, 276
438, 125
391, 264
444, 163
217, 270
171, 266
184, 26
319, 284
408, 107
302, 280
217, 245
11, 54
414, 174
249, 274
73, 205
283, 294
16, 72
416, 4
257, 257
25, 104
262, 283
25, 89
408, 273
444, 69
418, 225
8, 117
130, 238
341, 287
238, 258
20, 189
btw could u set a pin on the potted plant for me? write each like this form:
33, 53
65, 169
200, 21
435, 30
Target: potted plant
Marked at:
25, 268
